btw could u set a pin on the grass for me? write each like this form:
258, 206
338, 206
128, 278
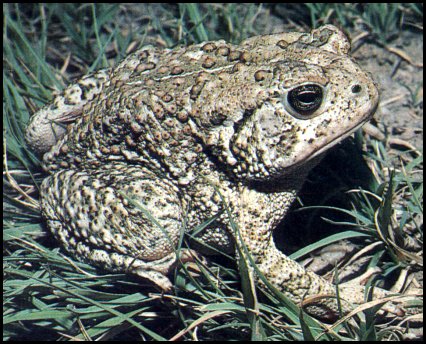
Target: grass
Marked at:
383, 20
48, 296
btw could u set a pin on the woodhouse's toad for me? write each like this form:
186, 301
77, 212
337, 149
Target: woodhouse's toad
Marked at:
177, 130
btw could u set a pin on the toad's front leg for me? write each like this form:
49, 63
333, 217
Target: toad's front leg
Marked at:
318, 296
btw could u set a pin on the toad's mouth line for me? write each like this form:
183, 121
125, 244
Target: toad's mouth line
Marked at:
337, 140
308, 161
324, 148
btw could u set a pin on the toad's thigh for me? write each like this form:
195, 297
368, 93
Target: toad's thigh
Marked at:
120, 209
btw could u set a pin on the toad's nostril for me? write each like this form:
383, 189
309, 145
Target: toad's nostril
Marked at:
356, 88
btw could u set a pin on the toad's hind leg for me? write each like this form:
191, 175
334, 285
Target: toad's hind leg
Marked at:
94, 216
48, 125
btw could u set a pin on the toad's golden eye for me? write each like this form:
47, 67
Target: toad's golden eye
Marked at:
305, 99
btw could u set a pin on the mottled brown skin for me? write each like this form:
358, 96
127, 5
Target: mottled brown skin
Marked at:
176, 130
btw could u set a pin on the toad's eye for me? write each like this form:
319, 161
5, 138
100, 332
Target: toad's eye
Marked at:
306, 99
